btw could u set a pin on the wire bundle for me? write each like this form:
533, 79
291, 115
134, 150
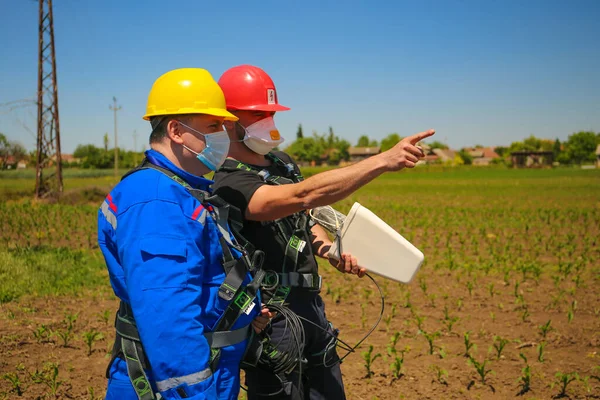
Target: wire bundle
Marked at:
328, 217
285, 359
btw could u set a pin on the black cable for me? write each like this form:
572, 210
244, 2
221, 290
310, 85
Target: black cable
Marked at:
292, 357
285, 361
347, 347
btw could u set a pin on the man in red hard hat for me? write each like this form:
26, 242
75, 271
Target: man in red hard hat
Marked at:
268, 188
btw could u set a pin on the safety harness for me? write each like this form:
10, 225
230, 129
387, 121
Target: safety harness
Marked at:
240, 298
292, 232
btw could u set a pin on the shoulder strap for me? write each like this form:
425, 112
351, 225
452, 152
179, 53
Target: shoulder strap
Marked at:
289, 168
240, 298
223, 212
288, 172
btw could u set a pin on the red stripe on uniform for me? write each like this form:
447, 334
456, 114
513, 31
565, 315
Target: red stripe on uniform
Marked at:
111, 204
197, 212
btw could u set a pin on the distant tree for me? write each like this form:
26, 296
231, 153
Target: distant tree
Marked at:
4, 150
299, 134
438, 145
10, 149
17, 151
501, 150
373, 143
93, 157
465, 157
563, 158
458, 160
556, 149
363, 141
533, 143
546, 145
306, 149
341, 147
321, 139
390, 141
330, 139
581, 147
530, 144
85, 150
106, 142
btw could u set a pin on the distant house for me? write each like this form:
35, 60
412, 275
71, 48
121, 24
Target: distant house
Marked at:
22, 164
8, 162
361, 153
436, 156
327, 155
598, 156
67, 159
429, 159
482, 155
532, 159
445, 155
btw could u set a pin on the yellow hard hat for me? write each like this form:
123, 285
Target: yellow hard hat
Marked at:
187, 91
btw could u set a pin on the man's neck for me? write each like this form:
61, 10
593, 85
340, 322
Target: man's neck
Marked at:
241, 152
190, 165
166, 151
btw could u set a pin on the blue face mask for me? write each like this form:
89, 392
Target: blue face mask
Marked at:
215, 152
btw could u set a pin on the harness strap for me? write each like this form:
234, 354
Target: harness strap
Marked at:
135, 370
235, 269
296, 279
292, 230
221, 339
128, 344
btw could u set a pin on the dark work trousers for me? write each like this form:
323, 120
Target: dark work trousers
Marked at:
319, 382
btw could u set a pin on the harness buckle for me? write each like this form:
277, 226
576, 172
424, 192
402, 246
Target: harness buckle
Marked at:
264, 174
319, 284
226, 292
270, 281
243, 300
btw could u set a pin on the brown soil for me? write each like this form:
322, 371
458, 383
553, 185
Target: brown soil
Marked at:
571, 347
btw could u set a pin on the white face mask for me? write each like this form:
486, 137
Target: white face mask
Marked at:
215, 152
262, 136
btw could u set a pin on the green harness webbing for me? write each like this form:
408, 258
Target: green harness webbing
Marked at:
127, 341
291, 230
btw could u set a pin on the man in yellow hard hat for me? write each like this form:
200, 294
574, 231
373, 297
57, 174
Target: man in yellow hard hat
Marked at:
188, 301
268, 188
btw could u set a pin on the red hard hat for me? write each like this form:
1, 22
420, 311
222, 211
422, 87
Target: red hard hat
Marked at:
249, 88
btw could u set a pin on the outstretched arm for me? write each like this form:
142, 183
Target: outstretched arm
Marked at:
273, 202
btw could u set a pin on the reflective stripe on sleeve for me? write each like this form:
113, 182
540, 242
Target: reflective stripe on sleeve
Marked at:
190, 380
110, 217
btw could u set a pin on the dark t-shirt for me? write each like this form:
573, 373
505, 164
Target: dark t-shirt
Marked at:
237, 188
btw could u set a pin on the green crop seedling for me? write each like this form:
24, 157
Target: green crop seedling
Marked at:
369, 359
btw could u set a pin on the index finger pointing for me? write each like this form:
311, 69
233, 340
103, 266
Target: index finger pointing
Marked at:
420, 136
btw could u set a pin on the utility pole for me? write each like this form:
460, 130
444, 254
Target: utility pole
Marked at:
135, 135
115, 108
48, 127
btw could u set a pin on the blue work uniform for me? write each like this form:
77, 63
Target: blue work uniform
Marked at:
164, 257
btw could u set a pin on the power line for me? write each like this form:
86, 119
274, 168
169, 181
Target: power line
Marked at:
135, 135
115, 108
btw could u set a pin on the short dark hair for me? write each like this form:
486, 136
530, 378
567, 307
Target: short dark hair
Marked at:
159, 125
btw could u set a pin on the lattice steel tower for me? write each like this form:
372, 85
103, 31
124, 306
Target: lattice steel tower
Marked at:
49, 171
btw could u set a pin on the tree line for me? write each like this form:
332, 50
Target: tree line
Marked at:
328, 147
579, 148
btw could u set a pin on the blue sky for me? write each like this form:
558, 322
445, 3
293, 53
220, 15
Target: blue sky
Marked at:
479, 72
